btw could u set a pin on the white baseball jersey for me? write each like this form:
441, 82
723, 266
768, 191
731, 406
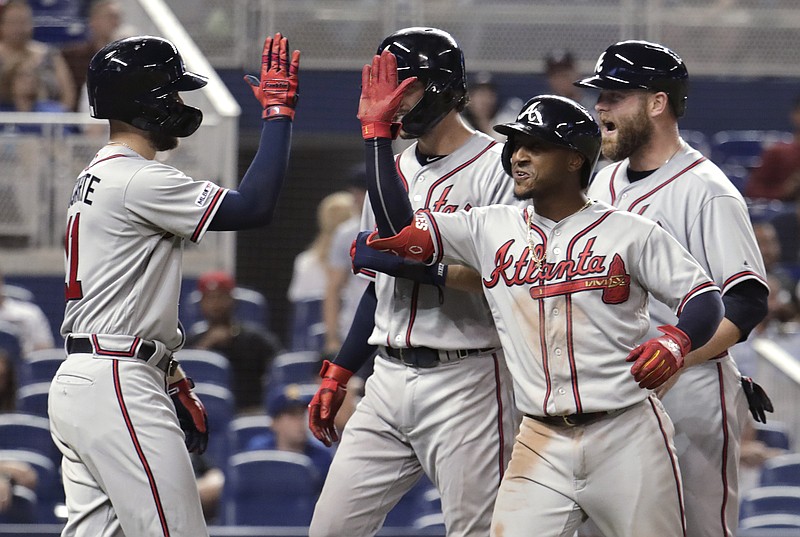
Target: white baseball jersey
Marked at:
409, 314
456, 421
569, 300
126, 225
129, 473
692, 199
567, 328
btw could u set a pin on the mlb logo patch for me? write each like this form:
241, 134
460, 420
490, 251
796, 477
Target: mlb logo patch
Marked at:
203, 197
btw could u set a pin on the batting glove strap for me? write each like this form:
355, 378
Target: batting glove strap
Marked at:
380, 130
335, 372
278, 111
657, 359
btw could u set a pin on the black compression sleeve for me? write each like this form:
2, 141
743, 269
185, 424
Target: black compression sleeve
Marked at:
253, 203
700, 318
355, 350
746, 305
387, 195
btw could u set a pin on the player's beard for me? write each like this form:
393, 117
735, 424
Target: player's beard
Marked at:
633, 133
163, 142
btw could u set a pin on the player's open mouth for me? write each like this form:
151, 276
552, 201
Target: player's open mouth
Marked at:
609, 126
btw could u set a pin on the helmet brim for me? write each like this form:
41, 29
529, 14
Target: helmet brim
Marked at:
190, 81
606, 83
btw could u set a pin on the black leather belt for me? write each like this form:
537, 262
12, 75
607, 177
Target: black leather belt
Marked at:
428, 357
145, 351
572, 420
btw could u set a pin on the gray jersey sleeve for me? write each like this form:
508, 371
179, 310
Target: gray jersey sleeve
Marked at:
167, 200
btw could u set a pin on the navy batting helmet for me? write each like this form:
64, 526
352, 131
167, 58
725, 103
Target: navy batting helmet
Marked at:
642, 65
557, 120
434, 57
137, 80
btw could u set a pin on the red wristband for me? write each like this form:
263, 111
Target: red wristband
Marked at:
278, 110
379, 130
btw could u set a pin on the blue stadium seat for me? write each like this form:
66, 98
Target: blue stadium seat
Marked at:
698, 140
270, 488
780, 520
769, 500
18, 293
433, 521
774, 434
205, 366
743, 147
218, 401
766, 210
418, 501
24, 507
32, 398
245, 428
41, 365
251, 306
307, 327
299, 367
25, 431
781, 470
49, 490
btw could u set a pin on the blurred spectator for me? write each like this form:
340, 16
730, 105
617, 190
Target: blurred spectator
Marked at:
310, 273
14, 473
17, 45
103, 22
29, 320
8, 383
561, 72
287, 408
21, 90
484, 109
248, 347
778, 174
210, 482
344, 289
770, 248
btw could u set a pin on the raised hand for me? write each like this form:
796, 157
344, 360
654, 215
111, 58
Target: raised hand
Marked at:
277, 90
380, 97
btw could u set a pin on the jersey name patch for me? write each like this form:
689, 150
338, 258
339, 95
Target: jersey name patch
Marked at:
203, 197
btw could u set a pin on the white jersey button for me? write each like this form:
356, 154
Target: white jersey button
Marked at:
558, 352
558, 232
562, 391
398, 339
556, 251
421, 178
555, 311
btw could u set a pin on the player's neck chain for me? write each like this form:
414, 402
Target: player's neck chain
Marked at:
540, 260
123, 144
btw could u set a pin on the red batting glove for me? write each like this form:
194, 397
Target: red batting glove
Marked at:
380, 97
414, 241
192, 415
327, 401
657, 359
277, 89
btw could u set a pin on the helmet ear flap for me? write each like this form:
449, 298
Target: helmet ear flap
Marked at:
505, 156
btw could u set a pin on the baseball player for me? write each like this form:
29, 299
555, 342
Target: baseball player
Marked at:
567, 280
643, 91
122, 412
439, 400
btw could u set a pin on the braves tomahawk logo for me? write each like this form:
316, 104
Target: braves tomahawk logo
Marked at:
587, 272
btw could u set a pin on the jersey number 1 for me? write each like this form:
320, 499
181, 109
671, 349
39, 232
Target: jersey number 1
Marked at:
72, 287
